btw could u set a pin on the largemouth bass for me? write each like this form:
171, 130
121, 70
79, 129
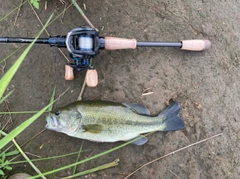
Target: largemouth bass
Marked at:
105, 121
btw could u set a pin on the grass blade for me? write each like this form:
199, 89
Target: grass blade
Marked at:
78, 157
38, 32
12, 53
88, 159
20, 112
101, 167
11, 72
5, 97
4, 83
12, 11
83, 15
25, 156
48, 158
52, 99
14, 152
20, 128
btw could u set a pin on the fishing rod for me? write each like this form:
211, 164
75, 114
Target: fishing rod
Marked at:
84, 43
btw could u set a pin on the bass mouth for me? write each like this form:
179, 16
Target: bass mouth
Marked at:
52, 123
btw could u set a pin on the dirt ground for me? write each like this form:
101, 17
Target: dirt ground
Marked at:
206, 84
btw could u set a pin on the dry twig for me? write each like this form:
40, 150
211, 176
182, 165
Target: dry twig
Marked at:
3, 67
83, 15
9, 121
46, 29
33, 155
174, 174
33, 137
147, 91
65, 7
17, 14
171, 153
82, 90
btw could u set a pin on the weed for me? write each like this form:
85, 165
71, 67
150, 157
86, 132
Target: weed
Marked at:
4, 163
35, 3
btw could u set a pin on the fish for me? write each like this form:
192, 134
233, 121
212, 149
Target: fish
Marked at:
107, 121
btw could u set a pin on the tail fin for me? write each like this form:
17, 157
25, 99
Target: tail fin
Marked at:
171, 117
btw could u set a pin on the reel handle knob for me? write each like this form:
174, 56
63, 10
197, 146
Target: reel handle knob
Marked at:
195, 45
69, 73
91, 77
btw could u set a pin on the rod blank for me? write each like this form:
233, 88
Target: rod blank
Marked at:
23, 40
159, 44
192, 45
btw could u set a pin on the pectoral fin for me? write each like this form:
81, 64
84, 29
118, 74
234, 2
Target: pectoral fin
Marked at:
92, 128
141, 141
139, 108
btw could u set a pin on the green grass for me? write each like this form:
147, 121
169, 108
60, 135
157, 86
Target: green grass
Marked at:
35, 3
12, 11
5, 97
86, 160
4, 82
4, 163
102, 167
59, 15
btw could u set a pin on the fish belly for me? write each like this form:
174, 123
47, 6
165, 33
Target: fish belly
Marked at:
117, 124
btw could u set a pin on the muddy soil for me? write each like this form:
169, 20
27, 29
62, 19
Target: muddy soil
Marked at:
206, 84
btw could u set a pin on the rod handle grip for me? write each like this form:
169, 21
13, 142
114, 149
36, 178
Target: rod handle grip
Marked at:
69, 73
196, 45
92, 77
114, 43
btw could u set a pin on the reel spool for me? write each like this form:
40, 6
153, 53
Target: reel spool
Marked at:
83, 44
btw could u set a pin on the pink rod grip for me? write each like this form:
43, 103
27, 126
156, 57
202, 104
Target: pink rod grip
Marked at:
113, 43
195, 45
69, 73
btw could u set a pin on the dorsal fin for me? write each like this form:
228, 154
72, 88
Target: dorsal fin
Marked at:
139, 108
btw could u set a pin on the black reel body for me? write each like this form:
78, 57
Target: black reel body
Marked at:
83, 43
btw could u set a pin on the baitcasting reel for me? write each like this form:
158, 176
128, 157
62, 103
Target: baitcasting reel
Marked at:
84, 43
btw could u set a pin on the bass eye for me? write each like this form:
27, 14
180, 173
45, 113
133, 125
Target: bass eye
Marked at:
57, 113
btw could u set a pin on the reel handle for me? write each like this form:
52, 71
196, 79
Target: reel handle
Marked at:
69, 73
195, 45
91, 77
114, 43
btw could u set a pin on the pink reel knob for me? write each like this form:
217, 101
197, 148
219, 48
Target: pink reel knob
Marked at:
91, 77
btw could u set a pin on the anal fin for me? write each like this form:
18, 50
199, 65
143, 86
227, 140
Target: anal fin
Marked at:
140, 141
